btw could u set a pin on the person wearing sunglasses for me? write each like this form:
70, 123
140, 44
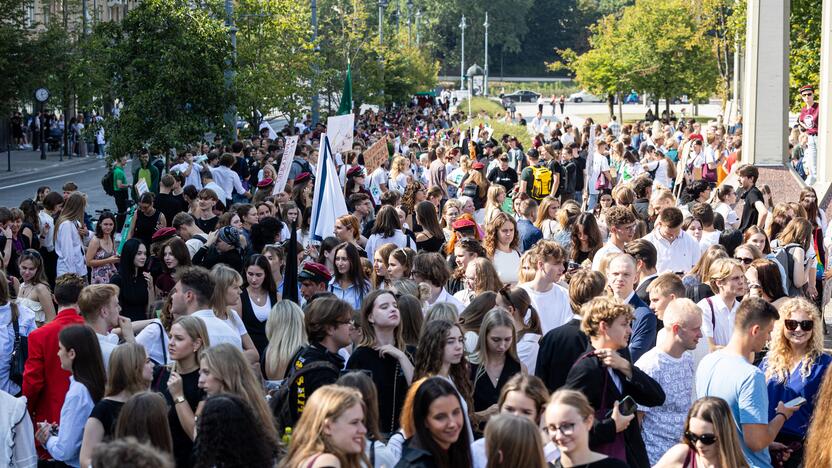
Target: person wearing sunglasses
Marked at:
808, 121
794, 367
709, 439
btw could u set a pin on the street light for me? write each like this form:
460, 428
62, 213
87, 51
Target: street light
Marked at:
485, 77
462, 26
418, 17
382, 4
315, 95
409, 21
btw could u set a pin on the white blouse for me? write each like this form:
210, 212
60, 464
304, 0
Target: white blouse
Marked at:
70, 250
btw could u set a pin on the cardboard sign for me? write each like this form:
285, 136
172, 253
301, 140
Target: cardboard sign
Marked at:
141, 187
375, 155
285, 164
339, 129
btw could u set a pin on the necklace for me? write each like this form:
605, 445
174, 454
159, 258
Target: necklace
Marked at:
260, 300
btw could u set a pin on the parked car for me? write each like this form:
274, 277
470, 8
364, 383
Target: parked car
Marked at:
520, 96
585, 96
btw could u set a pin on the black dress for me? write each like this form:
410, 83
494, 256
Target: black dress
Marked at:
390, 381
107, 411
256, 329
434, 244
207, 225
486, 393
182, 444
146, 226
132, 296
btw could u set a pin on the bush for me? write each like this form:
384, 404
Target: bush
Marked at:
478, 104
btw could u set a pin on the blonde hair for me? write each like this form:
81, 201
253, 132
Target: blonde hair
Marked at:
513, 440
227, 363
527, 268
196, 330
325, 405
492, 206
721, 269
575, 399
125, 370
602, 309
442, 311
94, 297
286, 333
543, 210
487, 277
224, 276
496, 317
398, 165
780, 357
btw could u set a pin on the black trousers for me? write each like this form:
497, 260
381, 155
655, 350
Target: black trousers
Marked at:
121, 197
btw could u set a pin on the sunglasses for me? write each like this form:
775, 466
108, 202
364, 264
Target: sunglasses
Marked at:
745, 260
805, 325
706, 439
807, 94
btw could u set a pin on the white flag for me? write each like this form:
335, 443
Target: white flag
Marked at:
272, 133
285, 164
328, 201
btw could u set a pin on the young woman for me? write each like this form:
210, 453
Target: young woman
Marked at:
147, 220
205, 217
276, 257
80, 354
764, 280
399, 174
174, 255
12, 313
450, 212
231, 432
69, 236
379, 278
441, 353
347, 229
494, 202
348, 282
230, 218
400, 264
257, 298
376, 449
287, 334
145, 418
758, 238
431, 237
513, 441
225, 301
480, 277
709, 440
693, 227
34, 292
495, 362
546, 219
387, 229
566, 218
188, 338
726, 200
794, 367
135, 284
464, 252
414, 194
799, 231
382, 351
130, 372
524, 396
440, 429
501, 241
410, 308
224, 369
471, 318
222, 247
330, 432
569, 417
518, 303
101, 254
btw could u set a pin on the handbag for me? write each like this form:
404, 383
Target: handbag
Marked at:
708, 174
601, 183
20, 352
617, 447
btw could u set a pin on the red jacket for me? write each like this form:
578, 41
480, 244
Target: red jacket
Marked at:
44, 382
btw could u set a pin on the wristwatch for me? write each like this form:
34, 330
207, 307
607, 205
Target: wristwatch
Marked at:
179, 399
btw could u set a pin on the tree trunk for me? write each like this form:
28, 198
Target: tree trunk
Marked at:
657, 106
611, 104
620, 109
667, 107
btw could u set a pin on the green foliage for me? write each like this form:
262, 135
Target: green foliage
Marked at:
168, 62
14, 56
805, 47
724, 21
481, 104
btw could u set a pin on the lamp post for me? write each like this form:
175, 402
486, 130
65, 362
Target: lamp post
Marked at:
485, 77
418, 18
409, 21
315, 95
231, 112
382, 4
462, 26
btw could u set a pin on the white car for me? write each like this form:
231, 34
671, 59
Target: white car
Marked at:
585, 96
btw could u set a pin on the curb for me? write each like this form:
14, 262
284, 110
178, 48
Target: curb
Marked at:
75, 162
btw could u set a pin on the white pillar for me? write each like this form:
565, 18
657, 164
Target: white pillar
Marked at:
824, 89
765, 83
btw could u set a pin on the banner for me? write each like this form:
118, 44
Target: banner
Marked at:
328, 201
285, 164
375, 155
340, 132
272, 133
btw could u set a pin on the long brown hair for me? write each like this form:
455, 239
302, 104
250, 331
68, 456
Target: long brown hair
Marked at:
73, 211
493, 229
513, 440
368, 330
429, 355
145, 416
716, 411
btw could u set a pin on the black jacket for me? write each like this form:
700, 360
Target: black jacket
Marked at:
256, 329
588, 376
315, 379
413, 457
559, 349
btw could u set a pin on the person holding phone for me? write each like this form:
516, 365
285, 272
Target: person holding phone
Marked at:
605, 375
794, 369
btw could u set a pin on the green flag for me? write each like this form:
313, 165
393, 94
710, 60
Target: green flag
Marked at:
346, 95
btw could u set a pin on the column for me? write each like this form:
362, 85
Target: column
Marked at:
765, 83
824, 90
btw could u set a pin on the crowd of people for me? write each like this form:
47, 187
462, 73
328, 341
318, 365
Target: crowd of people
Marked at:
607, 296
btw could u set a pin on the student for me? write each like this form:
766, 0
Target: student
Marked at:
80, 355
622, 228
100, 308
130, 372
518, 304
677, 251
376, 450
70, 234
232, 433
349, 283
549, 299
729, 375
440, 429
11, 315
719, 311
144, 418
501, 244
513, 441
382, 352
225, 299
34, 292
135, 285
331, 431
755, 212
192, 296
431, 269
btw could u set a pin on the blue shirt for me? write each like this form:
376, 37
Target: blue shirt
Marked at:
529, 234
352, 295
78, 405
743, 386
796, 385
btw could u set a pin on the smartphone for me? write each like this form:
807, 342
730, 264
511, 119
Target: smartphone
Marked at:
797, 402
573, 266
627, 406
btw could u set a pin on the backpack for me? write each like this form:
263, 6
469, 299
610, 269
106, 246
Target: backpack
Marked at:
280, 399
542, 185
560, 169
782, 256
108, 182
304, 166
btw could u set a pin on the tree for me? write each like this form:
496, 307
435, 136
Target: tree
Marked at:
724, 21
804, 54
168, 61
15, 56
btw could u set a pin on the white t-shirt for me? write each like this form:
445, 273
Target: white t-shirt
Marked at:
661, 177
379, 177
721, 327
599, 165
605, 249
261, 312
235, 322
552, 306
219, 331
155, 340
49, 241
527, 348
193, 178
507, 265
728, 214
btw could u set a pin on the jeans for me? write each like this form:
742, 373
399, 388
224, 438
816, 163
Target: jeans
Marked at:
592, 202
810, 160
121, 208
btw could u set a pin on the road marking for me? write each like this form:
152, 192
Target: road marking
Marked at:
47, 178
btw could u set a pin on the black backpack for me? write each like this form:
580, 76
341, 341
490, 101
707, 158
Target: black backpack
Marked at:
558, 168
107, 183
304, 166
280, 399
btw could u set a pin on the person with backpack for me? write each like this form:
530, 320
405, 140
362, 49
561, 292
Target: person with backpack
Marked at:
792, 250
118, 189
558, 169
536, 180
727, 280
300, 164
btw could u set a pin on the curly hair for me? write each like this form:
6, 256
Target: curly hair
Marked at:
428, 361
409, 197
491, 233
602, 309
780, 356
228, 423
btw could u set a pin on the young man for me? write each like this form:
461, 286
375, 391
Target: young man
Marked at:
168, 203
718, 311
643, 187
677, 251
192, 296
362, 206
229, 180
190, 170
670, 366
45, 383
621, 277
704, 213
314, 278
664, 289
622, 226
187, 229
100, 309
754, 213
147, 172
550, 299
503, 174
529, 233
728, 374
808, 121
121, 191
536, 180
645, 255
598, 169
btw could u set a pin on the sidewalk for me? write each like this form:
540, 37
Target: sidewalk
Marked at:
25, 162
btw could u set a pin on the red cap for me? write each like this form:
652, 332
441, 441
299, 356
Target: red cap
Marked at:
463, 224
807, 87
355, 171
302, 177
315, 272
477, 165
163, 234
265, 182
